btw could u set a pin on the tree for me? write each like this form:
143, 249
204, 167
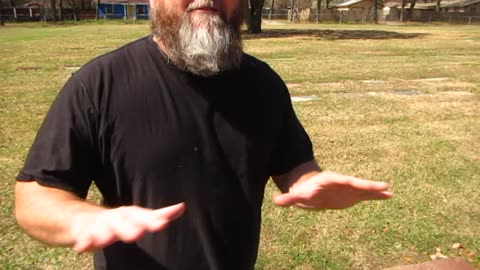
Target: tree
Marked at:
437, 6
375, 11
319, 5
402, 10
292, 8
53, 9
97, 10
272, 5
60, 5
73, 4
411, 9
254, 16
2, 22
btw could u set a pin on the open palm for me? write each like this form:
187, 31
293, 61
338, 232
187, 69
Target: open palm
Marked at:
328, 190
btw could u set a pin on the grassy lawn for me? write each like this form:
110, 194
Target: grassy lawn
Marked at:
393, 103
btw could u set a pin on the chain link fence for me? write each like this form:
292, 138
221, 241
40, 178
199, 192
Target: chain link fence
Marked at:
295, 15
367, 16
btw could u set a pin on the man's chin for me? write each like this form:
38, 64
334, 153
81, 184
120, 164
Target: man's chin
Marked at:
207, 11
202, 18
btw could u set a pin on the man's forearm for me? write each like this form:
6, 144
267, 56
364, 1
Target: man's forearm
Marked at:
61, 218
48, 214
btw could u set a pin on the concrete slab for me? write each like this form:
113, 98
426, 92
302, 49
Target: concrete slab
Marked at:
440, 264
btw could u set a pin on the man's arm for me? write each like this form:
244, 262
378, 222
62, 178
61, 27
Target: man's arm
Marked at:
57, 217
306, 186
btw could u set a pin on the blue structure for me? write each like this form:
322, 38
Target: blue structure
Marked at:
123, 10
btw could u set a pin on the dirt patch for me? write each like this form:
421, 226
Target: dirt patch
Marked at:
443, 264
293, 85
431, 80
27, 68
428, 86
457, 93
407, 92
373, 81
304, 98
323, 34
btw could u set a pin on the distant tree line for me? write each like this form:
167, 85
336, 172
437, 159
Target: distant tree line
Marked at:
53, 10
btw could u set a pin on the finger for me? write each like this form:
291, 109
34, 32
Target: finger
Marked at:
139, 220
155, 220
170, 213
92, 242
134, 223
97, 235
383, 195
83, 245
85, 235
81, 241
286, 199
367, 184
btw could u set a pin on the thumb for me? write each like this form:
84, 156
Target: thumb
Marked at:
286, 199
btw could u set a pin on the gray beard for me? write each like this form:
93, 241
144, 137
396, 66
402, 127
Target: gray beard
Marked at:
204, 46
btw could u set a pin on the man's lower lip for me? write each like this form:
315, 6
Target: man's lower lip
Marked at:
206, 10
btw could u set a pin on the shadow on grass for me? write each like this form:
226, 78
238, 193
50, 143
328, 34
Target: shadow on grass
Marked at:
331, 34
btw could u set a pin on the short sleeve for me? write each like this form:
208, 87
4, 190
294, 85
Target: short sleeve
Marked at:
63, 152
292, 146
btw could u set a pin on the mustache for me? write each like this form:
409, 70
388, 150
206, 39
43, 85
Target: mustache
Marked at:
200, 4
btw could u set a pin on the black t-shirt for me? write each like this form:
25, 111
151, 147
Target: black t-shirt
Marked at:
149, 134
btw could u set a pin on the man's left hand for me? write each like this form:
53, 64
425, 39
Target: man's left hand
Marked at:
328, 190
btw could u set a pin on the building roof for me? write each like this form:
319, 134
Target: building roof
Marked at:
353, 2
125, 2
31, 4
460, 3
443, 4
348, 3
419, 5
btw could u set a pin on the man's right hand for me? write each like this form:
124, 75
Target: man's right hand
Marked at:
92, 231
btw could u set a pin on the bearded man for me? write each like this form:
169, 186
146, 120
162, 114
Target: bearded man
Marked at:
179, 128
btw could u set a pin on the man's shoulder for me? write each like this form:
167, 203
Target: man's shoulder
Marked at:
261, 71
116, 60
251, 62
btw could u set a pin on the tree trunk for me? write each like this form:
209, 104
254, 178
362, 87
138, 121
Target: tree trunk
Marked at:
61, 10
271, 10
292, 8
319, 6
402, 10
411, 9
2, 21
53, 10
97, 13
42, 12
375, 12
74, 10
437, 6
254, 17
